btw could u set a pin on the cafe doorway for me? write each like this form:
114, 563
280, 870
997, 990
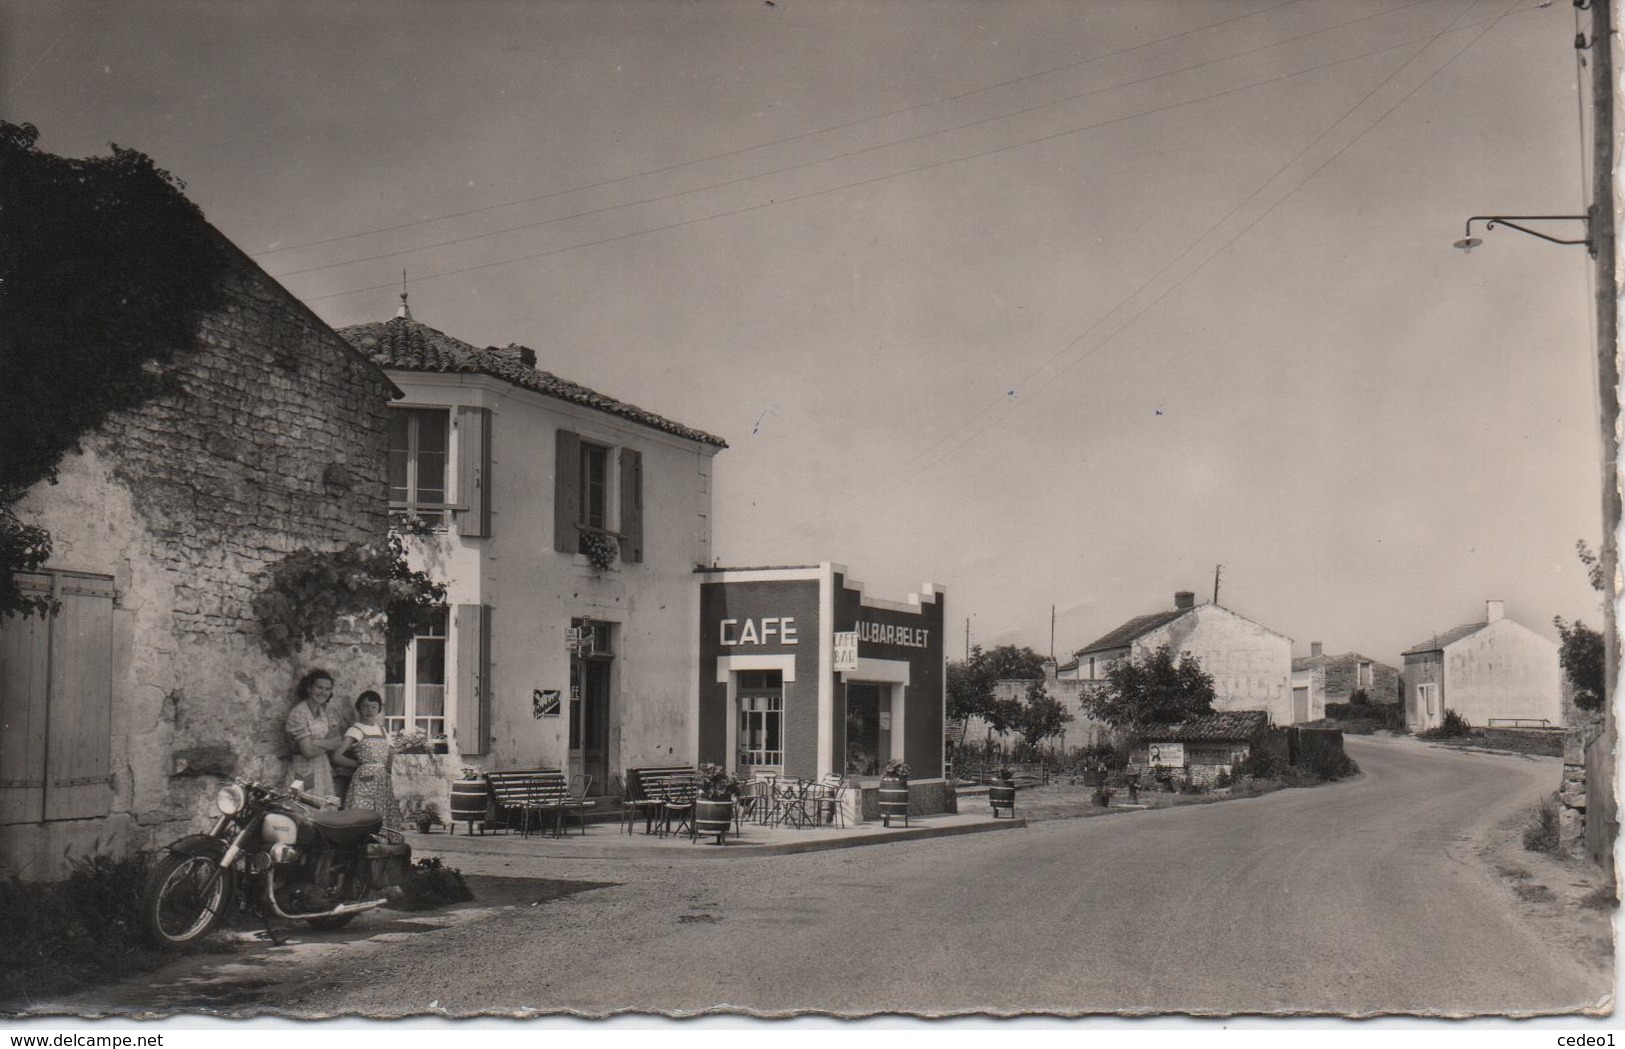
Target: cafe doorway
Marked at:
868, 728
590, 695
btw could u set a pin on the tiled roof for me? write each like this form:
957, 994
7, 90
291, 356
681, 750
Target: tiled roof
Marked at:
409, 345
1310, 662
1216, 727
1126, 633
1439, 641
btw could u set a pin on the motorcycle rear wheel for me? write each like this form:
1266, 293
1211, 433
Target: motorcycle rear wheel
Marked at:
185, 898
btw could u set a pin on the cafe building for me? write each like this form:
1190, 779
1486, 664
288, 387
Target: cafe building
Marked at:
803, 674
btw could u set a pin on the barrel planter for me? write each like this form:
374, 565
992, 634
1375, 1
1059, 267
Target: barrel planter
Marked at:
893, 800
471, 803
1002, 796
713, 816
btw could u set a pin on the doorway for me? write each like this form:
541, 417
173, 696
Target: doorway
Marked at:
590, 667
868, 728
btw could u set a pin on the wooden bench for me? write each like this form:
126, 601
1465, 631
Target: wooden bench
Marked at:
657, 792
532, 793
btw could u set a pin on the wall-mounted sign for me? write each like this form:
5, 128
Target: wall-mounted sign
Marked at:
885, 721
888, 634
582, 638
544, 703
768, 630
1167, 755
846, 650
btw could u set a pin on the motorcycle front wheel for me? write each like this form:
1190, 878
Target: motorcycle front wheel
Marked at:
185, 898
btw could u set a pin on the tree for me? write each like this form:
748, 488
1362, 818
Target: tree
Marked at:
1583, 657
1153, 690
1042, 716
971, 691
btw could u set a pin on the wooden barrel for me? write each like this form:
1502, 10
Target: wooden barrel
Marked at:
1002, 796
713, 816
470, 802
893, 800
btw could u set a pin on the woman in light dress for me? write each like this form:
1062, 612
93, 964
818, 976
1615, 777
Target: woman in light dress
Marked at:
372, 748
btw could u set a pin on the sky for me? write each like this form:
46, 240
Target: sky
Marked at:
1055, 304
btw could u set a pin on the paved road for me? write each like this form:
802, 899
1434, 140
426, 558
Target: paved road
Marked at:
1358, 897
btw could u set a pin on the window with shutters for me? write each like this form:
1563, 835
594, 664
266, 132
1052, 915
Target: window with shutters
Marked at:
598, 492
56, 702
415, 683
419, 448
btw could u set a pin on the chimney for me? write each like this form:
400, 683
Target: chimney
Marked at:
1184, 599
1494, 610
1314, 648
514, 353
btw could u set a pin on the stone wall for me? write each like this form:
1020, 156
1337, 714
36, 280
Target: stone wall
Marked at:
274, 441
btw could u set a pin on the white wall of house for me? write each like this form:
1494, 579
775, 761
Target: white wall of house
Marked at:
1502, 671
531, 591
1251, 665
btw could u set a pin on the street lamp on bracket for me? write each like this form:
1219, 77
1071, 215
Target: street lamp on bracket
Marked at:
1468, 242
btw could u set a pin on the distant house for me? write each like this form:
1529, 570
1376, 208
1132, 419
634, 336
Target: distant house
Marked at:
1341, 676
1251, 665
566, 524
1206, 746
1494, 672
122, 712
1081, 731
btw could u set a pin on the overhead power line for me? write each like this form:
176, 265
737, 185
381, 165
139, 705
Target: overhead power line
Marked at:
860, 151
280, 249
779, 201
915, 468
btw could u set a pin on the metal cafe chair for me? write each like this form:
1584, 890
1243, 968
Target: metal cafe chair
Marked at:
678, 809
793, 797
826, 800
754, 803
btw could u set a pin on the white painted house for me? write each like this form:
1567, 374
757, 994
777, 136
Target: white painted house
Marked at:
1251, 665
568, 525
1497, 672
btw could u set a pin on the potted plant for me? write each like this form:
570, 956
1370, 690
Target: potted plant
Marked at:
601, 549
714, 804
894, 792
1002, 793
1103, 795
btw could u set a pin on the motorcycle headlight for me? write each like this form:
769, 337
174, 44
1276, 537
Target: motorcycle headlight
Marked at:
230, 799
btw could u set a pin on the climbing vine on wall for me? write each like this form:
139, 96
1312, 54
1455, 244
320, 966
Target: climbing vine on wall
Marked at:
105, 270
307, 592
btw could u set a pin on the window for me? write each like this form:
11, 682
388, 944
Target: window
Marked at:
1362, 675
761, 718
1424, 698
415, 683
598, 491
418, 445
594, 511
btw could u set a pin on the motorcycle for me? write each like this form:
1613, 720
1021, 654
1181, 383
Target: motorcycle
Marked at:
279, 852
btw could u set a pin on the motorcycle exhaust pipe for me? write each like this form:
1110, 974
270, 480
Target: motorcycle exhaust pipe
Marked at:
343, 908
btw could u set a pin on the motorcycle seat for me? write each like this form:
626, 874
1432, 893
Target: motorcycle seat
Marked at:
346, 826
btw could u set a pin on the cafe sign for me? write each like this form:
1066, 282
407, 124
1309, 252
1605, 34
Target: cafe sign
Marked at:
846, 650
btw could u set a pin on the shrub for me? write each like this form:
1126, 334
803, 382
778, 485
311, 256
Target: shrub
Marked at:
82, 929
430, 883
1540, 834
1454, 726
1326, 765
1262, 763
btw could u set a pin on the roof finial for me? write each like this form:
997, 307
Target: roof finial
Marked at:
403, 311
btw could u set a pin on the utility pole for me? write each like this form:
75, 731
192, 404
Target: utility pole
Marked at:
1216, 570
1052, 633
1602, 813
967, 639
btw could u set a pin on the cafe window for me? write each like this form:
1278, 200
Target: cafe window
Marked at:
761, 718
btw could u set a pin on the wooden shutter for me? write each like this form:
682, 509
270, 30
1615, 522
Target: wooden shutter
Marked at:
78, 759
474, 471
472, 625
631, 506
566, 491
24, 698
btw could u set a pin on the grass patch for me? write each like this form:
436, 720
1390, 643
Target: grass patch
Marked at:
1540, 834
81, 930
